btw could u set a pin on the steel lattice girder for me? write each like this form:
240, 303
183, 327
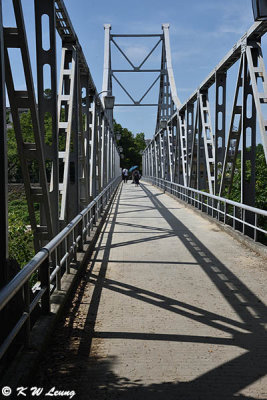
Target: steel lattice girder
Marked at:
83, 149
206, 156
15, 37
165, 72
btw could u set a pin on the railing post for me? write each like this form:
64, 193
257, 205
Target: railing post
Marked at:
74, 246
80, 233
58, 274
255, 229
94, 213
243, 219
27, 326
225, 212
234, 215
45, 283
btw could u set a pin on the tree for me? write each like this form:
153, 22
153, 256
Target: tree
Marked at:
132, 146
14, 170
261, 179
260, 186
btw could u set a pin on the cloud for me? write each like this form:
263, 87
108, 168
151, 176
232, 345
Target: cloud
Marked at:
178, 55
136, 53
189, 89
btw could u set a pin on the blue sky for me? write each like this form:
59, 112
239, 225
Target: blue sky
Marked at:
201, 33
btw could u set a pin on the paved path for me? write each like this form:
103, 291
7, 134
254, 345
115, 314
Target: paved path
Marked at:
171, 308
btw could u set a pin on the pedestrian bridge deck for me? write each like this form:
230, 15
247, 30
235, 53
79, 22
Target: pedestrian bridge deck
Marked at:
171, 308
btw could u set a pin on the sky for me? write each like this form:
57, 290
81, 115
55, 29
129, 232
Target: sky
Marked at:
201, 33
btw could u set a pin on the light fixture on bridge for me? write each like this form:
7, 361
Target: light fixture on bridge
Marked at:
118, 136
259, 10
163, 124
121, 149
109, 102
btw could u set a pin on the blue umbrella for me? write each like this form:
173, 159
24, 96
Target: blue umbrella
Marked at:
132, 168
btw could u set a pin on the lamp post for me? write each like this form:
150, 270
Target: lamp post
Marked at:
259, 10
109, 100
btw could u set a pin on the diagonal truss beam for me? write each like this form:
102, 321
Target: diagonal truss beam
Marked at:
29, 152
109, 73
200, 157
122, 52
136, 102
135, 68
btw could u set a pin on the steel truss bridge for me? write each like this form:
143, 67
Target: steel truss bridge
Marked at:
193, 153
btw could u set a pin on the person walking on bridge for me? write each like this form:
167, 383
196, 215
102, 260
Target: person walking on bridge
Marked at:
136, 177
125, 175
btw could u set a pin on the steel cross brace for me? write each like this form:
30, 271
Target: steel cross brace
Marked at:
34, 151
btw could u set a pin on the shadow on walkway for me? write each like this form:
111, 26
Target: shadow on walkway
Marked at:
93, 378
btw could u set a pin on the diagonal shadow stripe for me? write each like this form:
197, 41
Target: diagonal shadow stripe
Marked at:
219, 274
226, 380
186, 310
155, 228
164, 337
135, 241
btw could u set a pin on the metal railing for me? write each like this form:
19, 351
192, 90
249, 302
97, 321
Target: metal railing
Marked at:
240, 216
51, 263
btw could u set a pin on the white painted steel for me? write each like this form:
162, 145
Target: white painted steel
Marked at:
174, 95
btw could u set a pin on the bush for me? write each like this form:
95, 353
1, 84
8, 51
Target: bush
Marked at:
20, 235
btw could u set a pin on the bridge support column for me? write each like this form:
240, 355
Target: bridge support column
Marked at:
3, 165
219, 136
47, 99
93, 186
248, 152
108, 155
73, 191
189, 134
156, 147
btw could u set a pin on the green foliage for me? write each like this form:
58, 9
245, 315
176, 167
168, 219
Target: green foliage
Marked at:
14, 170
260, 186
48, 128
14, 173
8, 118
261, 179
132, 146
19, 234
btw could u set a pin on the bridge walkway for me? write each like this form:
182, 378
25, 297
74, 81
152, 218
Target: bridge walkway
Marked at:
171, 308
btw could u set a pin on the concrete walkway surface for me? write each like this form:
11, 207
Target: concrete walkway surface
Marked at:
171, 308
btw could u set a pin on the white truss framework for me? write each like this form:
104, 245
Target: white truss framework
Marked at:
187, 149
81, 157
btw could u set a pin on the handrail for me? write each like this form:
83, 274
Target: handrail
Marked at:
223, 199
9, 291
195, 197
